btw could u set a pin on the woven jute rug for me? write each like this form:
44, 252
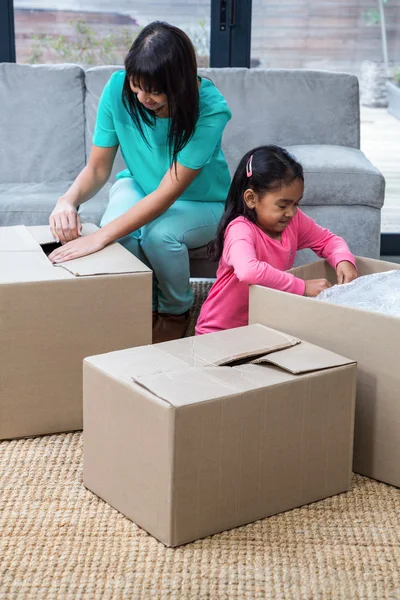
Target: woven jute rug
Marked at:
200, 292
59, 541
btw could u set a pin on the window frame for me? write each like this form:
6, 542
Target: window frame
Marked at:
7, 32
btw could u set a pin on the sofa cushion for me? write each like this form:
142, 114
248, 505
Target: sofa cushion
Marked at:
95, 80
32, 203
41, 122
287, 107
338, 175
358, 225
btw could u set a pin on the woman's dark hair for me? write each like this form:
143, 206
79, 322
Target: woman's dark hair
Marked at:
162, 60
271, 167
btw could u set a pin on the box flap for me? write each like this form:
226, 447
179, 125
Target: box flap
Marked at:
226, 347
304, 358
196, 369
214, 349
112, 260
132, 363
28, 267
370, 266
22, 258
190, 385
193, 384
17, 239
320, 268
200, 384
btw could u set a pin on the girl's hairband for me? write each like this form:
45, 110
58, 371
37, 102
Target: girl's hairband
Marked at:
249, 167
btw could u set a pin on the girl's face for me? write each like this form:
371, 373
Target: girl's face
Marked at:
276, 208
153, 100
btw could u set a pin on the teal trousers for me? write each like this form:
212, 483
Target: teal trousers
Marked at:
163, 244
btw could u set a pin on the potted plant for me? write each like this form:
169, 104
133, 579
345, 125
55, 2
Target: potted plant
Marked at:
375, 74
393, 89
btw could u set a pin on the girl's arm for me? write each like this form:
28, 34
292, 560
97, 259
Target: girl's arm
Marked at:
324, 243
65, 223
240, 254
172, 186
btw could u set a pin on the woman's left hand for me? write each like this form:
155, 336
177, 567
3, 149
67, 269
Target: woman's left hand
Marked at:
83, 246
346, 272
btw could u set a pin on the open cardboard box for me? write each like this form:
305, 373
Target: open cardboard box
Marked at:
199, 435
370, 338
51, 317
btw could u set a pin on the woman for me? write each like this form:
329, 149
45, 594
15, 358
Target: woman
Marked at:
168, 123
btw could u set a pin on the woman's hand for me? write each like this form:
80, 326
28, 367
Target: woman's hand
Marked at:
83, 246
315, 287
65, 222
346, 272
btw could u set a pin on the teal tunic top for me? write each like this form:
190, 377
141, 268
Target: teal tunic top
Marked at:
149, 162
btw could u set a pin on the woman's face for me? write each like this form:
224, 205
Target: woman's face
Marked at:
153, 100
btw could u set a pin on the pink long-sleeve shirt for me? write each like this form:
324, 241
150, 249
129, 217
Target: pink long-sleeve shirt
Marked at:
250, 257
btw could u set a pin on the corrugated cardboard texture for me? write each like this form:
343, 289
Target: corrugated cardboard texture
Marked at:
187, 449
49, 321
369, 338
251, 455
128, 460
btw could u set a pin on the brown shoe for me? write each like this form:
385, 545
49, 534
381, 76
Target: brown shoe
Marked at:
155, 317
170, 327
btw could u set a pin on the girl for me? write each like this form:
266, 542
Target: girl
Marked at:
258, 236
168, 123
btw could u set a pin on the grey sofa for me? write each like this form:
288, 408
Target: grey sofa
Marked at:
47, 115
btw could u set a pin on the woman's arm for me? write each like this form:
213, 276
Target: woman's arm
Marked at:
64, 221
172, 186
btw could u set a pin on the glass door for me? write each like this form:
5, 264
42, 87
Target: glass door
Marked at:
359, 37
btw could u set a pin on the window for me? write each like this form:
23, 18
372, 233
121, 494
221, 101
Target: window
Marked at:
90, 32
360, 37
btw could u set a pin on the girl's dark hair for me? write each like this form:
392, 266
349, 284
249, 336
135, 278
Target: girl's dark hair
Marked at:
162, 59
272, 167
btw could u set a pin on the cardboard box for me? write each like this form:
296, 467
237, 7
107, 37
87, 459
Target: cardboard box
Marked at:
372, 339
52, 317
187, 446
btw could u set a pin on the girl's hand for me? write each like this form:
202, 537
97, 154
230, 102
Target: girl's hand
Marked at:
346, 272
65, 222
77, 248
315, 287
